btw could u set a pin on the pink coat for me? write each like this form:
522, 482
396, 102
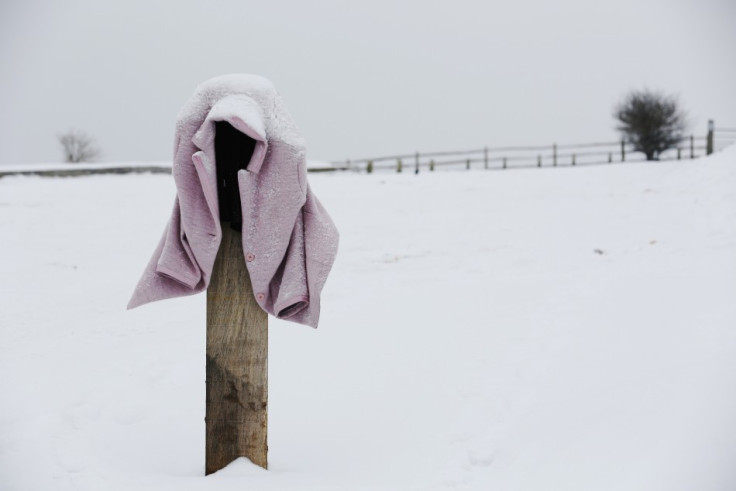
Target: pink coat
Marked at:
289, 240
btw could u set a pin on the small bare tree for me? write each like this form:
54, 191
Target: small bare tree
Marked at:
651, 121
78, 146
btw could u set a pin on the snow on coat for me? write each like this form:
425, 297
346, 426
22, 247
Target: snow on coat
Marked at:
289, 241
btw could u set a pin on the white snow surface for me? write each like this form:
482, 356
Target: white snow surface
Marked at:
538, 329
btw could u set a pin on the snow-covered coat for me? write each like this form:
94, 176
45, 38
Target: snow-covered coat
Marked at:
289, 241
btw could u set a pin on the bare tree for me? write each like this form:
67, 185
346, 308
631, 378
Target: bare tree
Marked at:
78, 146
652, 122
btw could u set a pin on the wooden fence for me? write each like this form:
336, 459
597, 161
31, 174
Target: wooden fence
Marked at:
553, 155
482, 158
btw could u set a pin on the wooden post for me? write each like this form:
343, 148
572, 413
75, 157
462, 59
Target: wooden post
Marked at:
398, 165
692, 147
573, 159
709, 138
467, 164
610, 157
623, 151
416, 163
678, 153
236, 406
431, 165
369, 167
485, 157
237, 362
539, 161
504, 162
554, 155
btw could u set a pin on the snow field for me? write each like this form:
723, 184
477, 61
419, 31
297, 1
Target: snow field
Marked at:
537, 329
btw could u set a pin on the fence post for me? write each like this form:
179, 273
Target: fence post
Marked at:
692, 147
539, 161
431, 165
709, 139
398, 165
623, 150
369, 167
485, 157
416, 163
467, 164
610, 157
504, 162
554, 155
573, 159
678, 153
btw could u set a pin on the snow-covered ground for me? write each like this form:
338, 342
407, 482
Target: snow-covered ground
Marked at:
541, 329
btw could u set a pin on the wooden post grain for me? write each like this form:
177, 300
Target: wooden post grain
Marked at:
237, 362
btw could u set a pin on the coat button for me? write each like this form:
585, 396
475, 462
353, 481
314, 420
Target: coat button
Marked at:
250, 256
260, 297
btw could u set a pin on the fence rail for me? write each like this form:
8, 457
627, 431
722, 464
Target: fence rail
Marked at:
553, 155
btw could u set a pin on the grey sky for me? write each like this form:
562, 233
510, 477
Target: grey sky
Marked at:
362, 78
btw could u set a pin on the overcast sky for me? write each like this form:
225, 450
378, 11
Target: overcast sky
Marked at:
362, 78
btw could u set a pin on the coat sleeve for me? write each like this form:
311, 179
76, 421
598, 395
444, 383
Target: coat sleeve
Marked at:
289, 288
307, 264
172, 270
176, 260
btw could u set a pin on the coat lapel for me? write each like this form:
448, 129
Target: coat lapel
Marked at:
207, 174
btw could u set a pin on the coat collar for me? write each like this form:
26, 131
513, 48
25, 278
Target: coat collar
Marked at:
245, 115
